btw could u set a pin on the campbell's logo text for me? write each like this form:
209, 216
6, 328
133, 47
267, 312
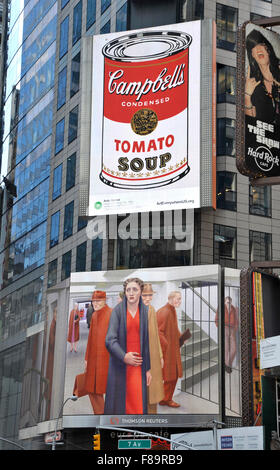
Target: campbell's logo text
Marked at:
164, 81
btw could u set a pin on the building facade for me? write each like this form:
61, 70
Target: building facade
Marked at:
43, 238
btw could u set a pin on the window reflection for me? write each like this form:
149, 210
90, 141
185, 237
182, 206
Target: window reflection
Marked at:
260, 246
226, 190
121, 18
66, 265
260, 200
226, 84
226, 136
226, 26
91, 13
68, 220
225, 246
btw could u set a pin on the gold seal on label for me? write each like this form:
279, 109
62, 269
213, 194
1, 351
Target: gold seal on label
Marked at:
144, 121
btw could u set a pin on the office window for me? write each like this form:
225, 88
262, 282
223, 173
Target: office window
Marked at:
57, 181
66, 265
77, 22
226, 26
70, 172
104, 5
121, 18
82, 223
81, 257
59, 136
259, 246
52, 273
61, 88
226, 84
106, 28
191, 10
68, 220
225, 246
255, 16
91, 13
75, 75
64, 3
260, 200
226, 136
54, 236
96, 254
63, 44
73, 124
226, 190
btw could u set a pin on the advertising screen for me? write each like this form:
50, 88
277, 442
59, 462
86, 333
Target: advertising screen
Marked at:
258, 146
144, 357
147, 110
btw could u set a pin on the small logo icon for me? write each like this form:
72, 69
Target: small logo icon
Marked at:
98, 205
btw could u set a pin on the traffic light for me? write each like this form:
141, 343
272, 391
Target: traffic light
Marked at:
96, 442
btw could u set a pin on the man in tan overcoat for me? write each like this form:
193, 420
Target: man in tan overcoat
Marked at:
169, 335
155, 389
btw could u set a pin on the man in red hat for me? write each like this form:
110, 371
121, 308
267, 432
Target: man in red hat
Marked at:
97, 356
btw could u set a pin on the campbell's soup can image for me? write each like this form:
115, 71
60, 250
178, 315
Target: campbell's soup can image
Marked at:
145, 110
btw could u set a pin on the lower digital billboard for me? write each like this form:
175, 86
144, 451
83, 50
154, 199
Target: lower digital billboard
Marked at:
143, 347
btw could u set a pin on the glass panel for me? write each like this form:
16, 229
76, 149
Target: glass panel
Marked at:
57, 181
54, 236
259, 246
226, 27
106, 28
260, 200
61, 88
77, 22
81, 255
225, 246
226, 136
226, 190
59, 136
70, 172
91, 13
66, 265
96, 254
121, 18
64, 3
75, 75
68, 220
104, 5
226, 84
63, 44
52, 273
73, 124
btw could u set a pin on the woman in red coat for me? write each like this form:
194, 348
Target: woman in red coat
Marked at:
74, 328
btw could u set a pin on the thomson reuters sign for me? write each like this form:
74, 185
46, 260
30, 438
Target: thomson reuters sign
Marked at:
146, 107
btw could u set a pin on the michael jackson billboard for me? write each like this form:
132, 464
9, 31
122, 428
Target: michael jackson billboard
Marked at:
258, 102
151, 91
143, 347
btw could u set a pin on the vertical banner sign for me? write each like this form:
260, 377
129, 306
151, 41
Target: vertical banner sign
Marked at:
145, 131
258, 110
258, 335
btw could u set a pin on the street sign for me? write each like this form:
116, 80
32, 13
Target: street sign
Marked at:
134, 444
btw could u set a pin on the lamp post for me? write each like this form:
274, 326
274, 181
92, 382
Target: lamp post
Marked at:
73, 398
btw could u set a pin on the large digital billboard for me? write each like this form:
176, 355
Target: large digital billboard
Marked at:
149, 357
258, 98
152, 119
